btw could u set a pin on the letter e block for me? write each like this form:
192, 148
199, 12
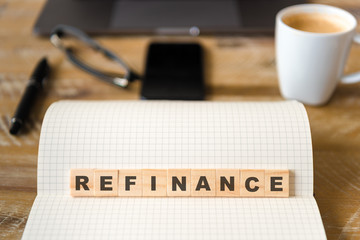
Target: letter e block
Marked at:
203, 183
154, 182
276, 183
130, 183
82, 182
227, 182
106, 182
178, 182
252, 183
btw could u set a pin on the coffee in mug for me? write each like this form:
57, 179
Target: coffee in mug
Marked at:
312, 45
316, 22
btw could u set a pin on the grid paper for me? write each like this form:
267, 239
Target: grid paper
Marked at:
164, 134
63, 217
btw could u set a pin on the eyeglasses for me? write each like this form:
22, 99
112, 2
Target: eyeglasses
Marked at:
62, 32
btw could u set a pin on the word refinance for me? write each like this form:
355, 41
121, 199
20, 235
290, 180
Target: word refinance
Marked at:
179, 183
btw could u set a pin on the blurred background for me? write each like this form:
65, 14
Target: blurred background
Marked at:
239, 65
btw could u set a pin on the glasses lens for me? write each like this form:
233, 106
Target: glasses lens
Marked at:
92, 58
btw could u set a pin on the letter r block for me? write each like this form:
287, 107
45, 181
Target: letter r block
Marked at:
276, 183
130, 183
82, 182
252, 183
106, 182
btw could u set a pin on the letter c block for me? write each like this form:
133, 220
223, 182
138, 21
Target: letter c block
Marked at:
252, 183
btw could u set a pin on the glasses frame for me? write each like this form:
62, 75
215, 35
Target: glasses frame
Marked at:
62, 31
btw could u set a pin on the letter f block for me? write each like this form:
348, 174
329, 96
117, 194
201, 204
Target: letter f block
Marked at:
130, 183
252, 183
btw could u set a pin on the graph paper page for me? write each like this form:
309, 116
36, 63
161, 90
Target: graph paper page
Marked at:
164, 134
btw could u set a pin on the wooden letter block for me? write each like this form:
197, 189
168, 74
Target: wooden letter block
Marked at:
130, 183
106, 182
203, 182
227, 182
252, 183
178, 182
82, 182
276, 183
154, 182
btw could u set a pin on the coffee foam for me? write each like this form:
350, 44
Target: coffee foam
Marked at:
316, 22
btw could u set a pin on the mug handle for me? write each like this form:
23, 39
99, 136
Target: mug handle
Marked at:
353, 77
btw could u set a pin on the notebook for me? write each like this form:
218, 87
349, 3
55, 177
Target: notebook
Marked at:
174, 134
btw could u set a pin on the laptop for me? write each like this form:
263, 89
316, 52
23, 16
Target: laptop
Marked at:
180, 17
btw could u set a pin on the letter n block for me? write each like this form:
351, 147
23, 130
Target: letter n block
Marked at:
130, 183
203, 183
82, 182
106, 183
252, 183
154, 182
227, 182
178, 182
276, 183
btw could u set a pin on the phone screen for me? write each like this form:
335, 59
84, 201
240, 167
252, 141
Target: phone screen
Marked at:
174, 71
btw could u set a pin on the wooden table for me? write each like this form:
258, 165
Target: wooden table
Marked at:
238, 68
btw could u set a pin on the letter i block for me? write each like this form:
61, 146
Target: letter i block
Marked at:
82, 182
276, 183
130, 183
106, 183
178, 182
252, 183
227, 182
154, 182
203, 183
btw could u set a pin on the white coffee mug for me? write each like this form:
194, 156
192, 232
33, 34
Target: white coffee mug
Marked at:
310, 65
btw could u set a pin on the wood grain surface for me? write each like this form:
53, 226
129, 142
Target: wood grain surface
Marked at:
238, 68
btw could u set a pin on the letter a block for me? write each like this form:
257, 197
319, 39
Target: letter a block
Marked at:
178, 182
154, 182
82, 182
276, 183
227, 182
252, 183
130, 183
203, 182
106, 183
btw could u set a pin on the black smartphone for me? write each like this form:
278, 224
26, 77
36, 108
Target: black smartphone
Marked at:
174, 71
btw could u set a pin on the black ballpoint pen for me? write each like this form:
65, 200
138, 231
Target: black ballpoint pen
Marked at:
32, 90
